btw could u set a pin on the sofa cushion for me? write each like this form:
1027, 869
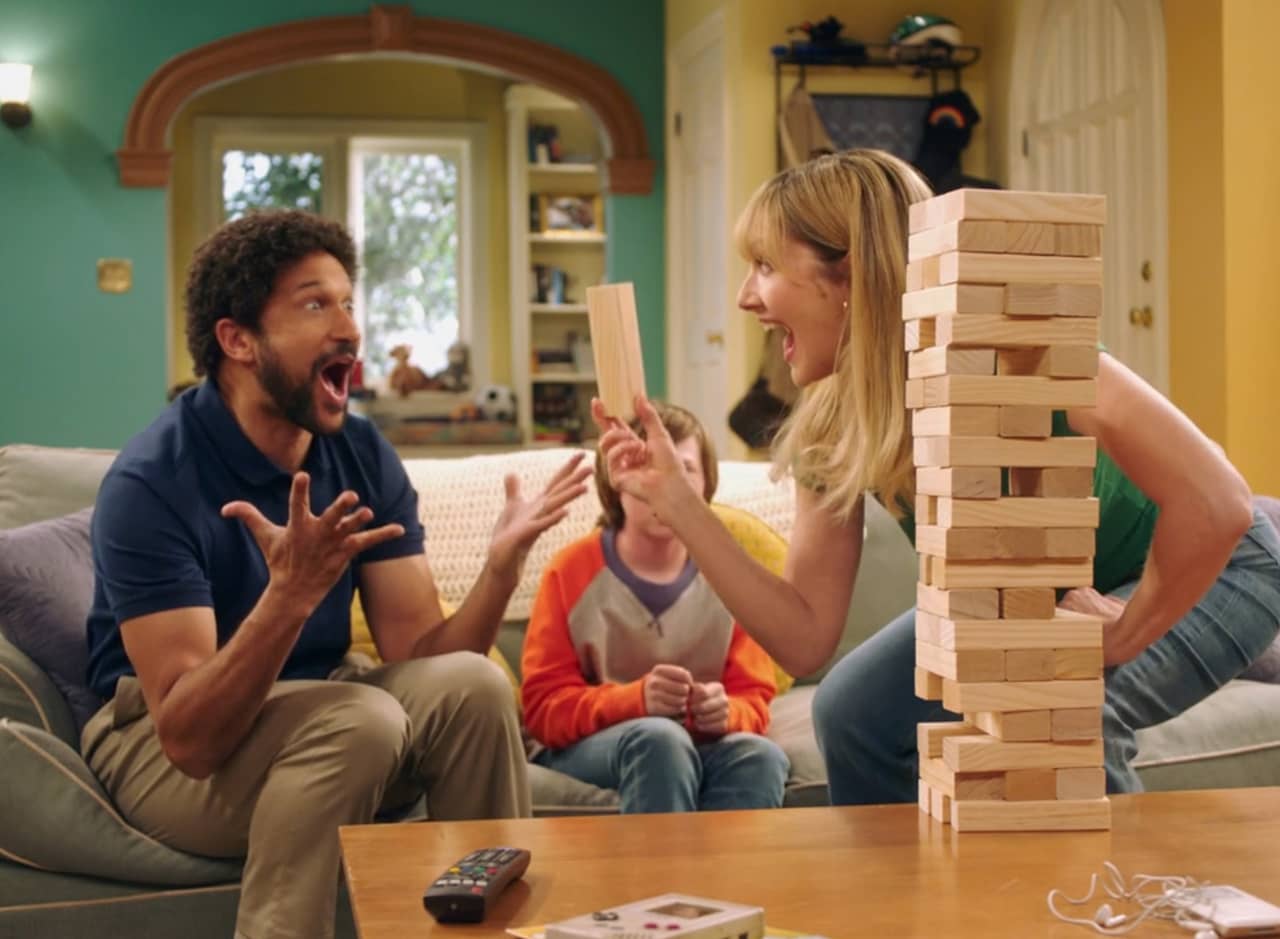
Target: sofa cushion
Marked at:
46, 588
55, 815
28, 696
44, 482
1231, 738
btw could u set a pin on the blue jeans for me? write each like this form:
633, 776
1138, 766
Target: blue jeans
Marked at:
656, 767
865, 710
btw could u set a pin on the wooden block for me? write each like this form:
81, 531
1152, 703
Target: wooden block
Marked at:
615, 345
913, 396
1076, 723
978, 665
963, 482
923, 797
1026, 785
1062, 361
1067, 630
1083, 241
928, 685
940, 805
972, 268
1059, 482
951, 574
1012, 725
1008, 205
918, 334
982, 330
961, 235
1013, 512
1037, 602
1081, 782
1008, 390
1048, 815
1053, 300
1078, 663
1030, 665
953, 298
940, 778
1004, 451
926, 509
947, 361
930, 734
925, 568
1026, 421
1028, 238
985, 754
923, 274
958, 604
1002, 544
961, 697
973, 421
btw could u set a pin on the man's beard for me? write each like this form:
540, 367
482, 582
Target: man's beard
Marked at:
295, 401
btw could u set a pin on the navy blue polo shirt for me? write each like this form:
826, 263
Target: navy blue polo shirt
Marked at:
161, 543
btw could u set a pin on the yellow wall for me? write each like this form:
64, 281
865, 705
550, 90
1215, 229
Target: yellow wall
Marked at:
752, 27
1197, 258
1251, 145
376, 89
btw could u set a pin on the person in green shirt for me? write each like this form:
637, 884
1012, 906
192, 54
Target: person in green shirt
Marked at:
1187, 575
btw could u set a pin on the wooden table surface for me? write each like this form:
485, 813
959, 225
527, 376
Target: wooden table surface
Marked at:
837, 872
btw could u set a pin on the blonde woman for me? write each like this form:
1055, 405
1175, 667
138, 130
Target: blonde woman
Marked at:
1187, 577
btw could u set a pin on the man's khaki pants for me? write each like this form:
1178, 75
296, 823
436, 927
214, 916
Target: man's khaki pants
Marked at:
321, 754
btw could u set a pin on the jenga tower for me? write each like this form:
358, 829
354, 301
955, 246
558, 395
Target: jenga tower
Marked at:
1004, 293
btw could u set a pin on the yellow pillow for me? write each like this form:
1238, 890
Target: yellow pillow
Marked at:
766, 546
362, 639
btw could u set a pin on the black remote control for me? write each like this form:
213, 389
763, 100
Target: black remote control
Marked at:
464, 892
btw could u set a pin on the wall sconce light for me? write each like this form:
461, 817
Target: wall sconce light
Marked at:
15, 94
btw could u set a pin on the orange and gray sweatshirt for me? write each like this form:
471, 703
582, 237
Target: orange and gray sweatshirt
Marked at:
597, 629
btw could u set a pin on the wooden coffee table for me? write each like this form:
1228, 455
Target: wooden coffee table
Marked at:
837, 872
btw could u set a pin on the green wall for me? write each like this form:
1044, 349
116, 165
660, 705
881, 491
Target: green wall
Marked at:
89, 369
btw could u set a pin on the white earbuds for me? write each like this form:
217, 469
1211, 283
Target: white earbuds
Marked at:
1108, 918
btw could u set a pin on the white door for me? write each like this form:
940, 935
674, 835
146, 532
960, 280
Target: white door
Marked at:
698, 238
1088, 105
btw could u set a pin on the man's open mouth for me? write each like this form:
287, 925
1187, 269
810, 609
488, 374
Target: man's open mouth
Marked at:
335, 379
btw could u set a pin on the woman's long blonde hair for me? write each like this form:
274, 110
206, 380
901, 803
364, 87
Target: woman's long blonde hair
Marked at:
850, 431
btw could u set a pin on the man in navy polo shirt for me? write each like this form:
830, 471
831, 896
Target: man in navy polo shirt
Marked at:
228, 538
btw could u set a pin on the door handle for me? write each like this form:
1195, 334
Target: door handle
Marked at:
1141, 316
715, 338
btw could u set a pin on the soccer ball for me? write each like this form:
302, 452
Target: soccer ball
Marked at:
496, 403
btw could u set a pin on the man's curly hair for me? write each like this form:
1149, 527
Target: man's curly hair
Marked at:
235, 270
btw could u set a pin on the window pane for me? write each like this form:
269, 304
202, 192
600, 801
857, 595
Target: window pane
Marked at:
252, 179
410, 263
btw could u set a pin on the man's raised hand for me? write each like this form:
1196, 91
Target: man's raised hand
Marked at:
523, 520
308, 554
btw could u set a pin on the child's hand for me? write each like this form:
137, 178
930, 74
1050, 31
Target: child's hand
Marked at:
709, 708
666, 691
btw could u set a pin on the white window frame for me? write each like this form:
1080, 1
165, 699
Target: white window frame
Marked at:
339, 141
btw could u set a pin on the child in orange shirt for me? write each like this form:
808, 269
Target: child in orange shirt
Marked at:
636, 678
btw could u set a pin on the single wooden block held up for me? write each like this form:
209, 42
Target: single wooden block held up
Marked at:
615, 344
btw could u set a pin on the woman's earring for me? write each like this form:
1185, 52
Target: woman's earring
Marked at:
845, 306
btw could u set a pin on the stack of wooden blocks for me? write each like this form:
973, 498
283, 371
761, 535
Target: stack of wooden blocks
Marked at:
1004, 294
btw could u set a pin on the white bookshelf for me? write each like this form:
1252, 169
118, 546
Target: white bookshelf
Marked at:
546, 324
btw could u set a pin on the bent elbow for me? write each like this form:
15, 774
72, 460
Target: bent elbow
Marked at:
188, 759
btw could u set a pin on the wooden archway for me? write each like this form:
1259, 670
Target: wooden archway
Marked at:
144, 160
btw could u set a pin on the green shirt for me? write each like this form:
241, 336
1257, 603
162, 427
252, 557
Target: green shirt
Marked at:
1126, 519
